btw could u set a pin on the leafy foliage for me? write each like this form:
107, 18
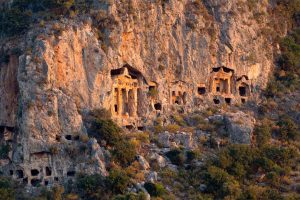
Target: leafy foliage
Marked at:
176, 156
22, 13
287, 75
6, 189
155, 190
103, 128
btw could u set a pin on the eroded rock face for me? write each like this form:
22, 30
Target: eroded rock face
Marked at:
177, 48
240, 127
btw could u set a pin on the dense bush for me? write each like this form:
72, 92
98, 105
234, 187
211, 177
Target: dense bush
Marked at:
287, 75
227, 176
22, 13
103, 128
263, 134
7, 191
106, 129
118, 181
131, 196
155, 189
4, 150
124, 152
176, 156
288, 129
92, 186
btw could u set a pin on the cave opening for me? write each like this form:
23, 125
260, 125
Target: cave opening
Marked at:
34, 172
157, 106
201, 90
228, 101
216, 101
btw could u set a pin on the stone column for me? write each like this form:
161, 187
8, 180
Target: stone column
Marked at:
135, 96
228, 83
119, 103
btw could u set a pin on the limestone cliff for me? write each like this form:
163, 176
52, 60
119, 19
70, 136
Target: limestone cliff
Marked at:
179, 49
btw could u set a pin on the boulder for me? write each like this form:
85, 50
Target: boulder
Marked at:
161, 161
98, 156
185, 139
164, 139
152, 177
240, 127
143, 162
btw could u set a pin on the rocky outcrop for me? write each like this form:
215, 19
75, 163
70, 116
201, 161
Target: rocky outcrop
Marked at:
167, 140
240, 127
173, 47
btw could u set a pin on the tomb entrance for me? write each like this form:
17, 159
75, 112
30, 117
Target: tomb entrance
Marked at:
125, 92
221, 80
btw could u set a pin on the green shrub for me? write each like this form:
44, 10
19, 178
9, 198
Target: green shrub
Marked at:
155, 189
192, 155
13, 21
289, 130
118, 181
58, 192
287, 75
263, 134
4, 150
220, 183
106, 129
99, 114
103, 128
7, 191
131, 196
92, 186
172, 128
176, 156
124, 152
179, 120
153, 93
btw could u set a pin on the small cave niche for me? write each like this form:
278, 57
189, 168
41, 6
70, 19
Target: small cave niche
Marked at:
56, 179
116, 108
34, 172
2, 129
228, 101
216, 101
71, 173
201, 90
35, 182
177, 102
68, 137
129, 127
20, 173
25, 180
141, 128
218, 89
11, 172
46, 182
157, 106
48, 171
57, 138
242, 91
184, 98
151, 88
243, 100
76, 137
173, 93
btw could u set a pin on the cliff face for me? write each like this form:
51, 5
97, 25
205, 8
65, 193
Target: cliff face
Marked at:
191, 53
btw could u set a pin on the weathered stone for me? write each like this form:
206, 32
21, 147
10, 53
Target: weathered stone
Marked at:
161, 161
164, 139
59, 76
143, 162
97, 155
240, 127
152, 177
